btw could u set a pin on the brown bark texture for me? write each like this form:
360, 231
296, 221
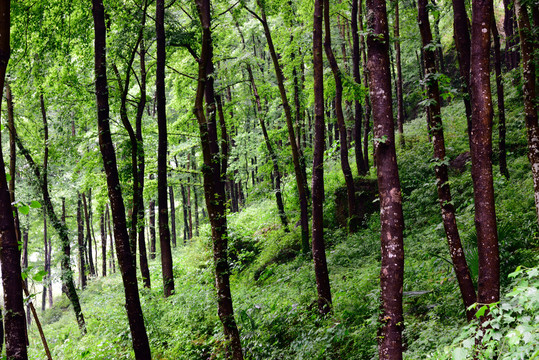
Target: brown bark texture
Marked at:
488, 285
530, 95
358, 110
129, 277
318, 246
456, 251
214, 189
391, 218
400, 100
353, 221
164, 231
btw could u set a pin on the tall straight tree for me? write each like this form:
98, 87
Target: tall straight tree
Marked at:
358, 113
139, 336
15, 319
301, 182
214, 182
400, 101
530, 96
318, 246
456, 251
488, 285
391, 218
164, 231
353, 221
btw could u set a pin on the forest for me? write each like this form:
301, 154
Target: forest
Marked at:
269, 179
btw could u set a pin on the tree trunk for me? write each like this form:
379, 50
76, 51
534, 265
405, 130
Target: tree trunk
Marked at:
300, 181
45, 262
366, 82
502, 153
15, 319
488, 289
125, 257
164, 231
529, 93
400, 101
456, 251
391, 218
151, 210
88, 235
112, 264
172, 216
356, 59
80, 237
461, 24
511, 39
318, 246
353, 221
103, 230
271, 152
214, 189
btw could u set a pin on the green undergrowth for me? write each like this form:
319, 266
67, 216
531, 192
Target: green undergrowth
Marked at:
273, 284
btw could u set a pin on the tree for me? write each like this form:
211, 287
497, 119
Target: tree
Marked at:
488, 287
528, 47
139, 336
391, 218
164, 231
318, 246
214, 189
400, 101
14, 320
456, 251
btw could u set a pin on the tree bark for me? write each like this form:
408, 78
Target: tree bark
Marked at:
391, 218
318, 246
529, 92
353, 221
512, 57
400, 101
80, 237
151, 210
461, 24
300, 181
172, 216
164, 231
488, 289
15, 319
366, 81
112, 263
456, 251
502, 153
103, 230
356, 60
125, 257
214, 189
88, 235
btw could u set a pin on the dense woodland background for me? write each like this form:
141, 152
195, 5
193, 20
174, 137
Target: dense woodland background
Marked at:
185, 163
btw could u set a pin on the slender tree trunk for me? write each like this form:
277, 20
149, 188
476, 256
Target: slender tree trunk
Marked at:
391, 218
461, 25
502, 153
188, 203
488, 289
172, 216
151, 210
103, 230
318, 246
46, 266
366, 82
300, 181
272, 154
15, 319
214, 182
88, 235
111, 235
456, 251
353, 221
511, 39
185, 219
125, 257
164, 231
356, 60
80, 237
400, 101
529, 92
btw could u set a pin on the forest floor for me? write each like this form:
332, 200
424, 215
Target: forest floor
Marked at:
273, 285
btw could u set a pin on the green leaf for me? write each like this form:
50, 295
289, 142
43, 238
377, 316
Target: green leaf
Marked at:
8, 177
481, 311
25, 209
460, 354
39, 276
35, 204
